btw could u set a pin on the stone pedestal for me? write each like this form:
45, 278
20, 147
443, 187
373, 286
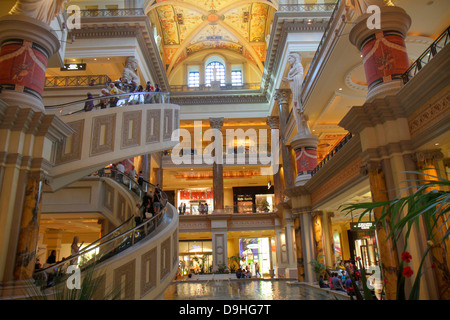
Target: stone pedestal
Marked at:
384, 51
26, 46
305, 147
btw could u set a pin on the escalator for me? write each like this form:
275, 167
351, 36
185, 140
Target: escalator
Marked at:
124, 237
117, 127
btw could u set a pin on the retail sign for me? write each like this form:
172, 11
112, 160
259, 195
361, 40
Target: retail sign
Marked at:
74, 67
359, 226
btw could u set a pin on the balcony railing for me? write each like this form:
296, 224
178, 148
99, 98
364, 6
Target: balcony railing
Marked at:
321, 43
76, 81
112, 12
426, 57
110, 101
317, 7
331, 154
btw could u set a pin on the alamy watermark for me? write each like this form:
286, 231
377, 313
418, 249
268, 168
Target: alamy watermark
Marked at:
73, 17
74, 280
249, 147
374, 21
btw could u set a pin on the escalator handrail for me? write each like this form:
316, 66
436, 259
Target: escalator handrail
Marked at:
61, 263
125, 94
132, 180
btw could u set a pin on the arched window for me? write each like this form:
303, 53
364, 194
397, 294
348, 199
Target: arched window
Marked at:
215, 71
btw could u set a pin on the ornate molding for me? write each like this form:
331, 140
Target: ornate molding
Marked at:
216, 123
273, 122
282, 95
217, 99
427, 155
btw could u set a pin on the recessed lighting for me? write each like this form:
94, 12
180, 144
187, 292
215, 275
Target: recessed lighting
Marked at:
436, 144
340, 89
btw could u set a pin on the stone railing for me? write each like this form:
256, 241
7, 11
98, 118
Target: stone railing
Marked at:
76, 81
306, 7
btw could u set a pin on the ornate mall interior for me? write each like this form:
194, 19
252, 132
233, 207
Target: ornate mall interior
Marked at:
255, 120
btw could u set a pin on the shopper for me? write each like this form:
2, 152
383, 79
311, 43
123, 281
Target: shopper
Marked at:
337, 284
322, 283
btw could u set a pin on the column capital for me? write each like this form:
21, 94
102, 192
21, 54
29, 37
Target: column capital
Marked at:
273, 122
216, 123
282, 95
369, 166
317, 213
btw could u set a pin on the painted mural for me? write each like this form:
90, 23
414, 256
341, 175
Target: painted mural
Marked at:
190, 26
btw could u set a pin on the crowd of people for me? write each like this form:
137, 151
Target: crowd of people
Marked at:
341, 281
50, 273
108, 98
203, 208
244, 272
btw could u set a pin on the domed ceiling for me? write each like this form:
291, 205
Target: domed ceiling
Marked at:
187, 27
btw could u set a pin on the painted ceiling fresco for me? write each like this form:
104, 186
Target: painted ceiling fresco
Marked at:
191, 26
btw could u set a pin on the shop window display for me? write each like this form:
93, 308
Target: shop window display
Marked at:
195, 257
255, 250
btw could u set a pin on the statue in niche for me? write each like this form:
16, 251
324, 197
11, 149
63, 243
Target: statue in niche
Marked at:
43, 10
295, 79
130, 71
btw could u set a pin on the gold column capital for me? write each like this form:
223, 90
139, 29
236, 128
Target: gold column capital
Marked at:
427, 155
282, 95
216, 123
273, 122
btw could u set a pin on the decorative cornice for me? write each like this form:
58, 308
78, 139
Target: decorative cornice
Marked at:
372, 113
127, 27
427, 155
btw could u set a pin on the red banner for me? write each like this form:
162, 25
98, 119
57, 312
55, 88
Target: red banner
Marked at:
384, 57
23, 66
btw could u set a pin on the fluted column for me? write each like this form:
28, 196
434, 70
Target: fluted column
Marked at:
440, 251
282, 96
328, 239
217, 123
317, 222
274, 124
384, 51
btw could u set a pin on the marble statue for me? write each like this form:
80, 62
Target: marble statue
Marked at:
130, 71
295, 79
43, 10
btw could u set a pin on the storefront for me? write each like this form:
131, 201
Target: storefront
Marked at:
195, 256
253, 199
255, 251
192, 198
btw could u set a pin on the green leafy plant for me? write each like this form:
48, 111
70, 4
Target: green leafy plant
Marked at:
318, 267
426, 201
89, 288
235, 262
